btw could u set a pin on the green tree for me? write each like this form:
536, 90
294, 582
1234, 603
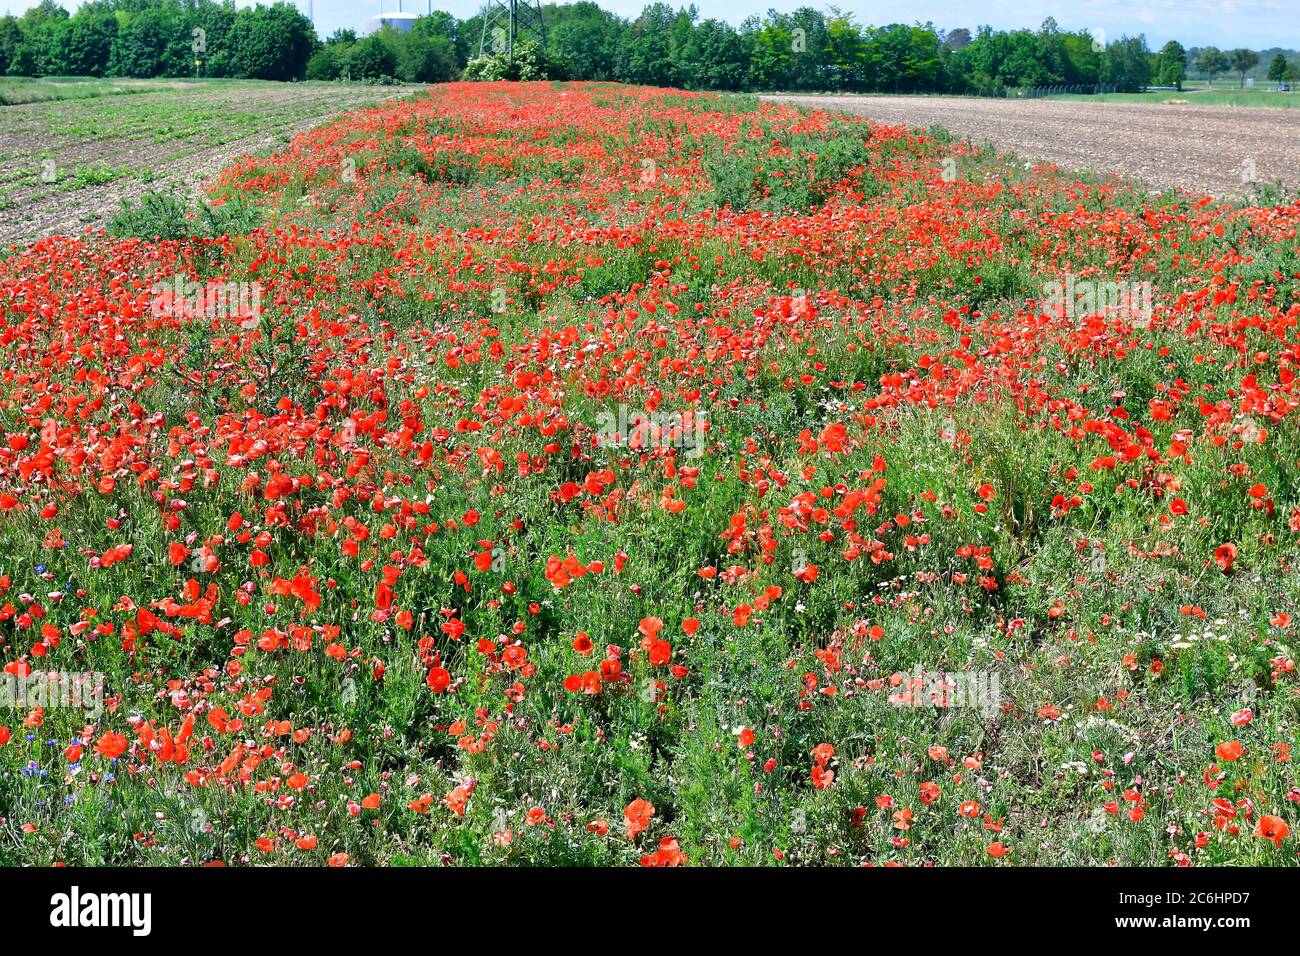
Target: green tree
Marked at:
957, 39
1277, 68
90, 42
1242, 62
140, 45
771, 50
469, 34
646, 51
11, 38
216, 21
586, 37
845, 60
719, 56
1211, 62
271, 43
905, 59
158, 37
42, 51
1127, 64
1172, 67
995, 60
325, 64
1082, 59
424, 57
372, 58
1052, 52
810, 33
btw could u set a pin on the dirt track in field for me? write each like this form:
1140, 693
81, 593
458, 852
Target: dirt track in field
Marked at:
1203, 149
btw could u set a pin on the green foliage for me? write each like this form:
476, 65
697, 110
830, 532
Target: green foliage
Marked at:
325, 64
1127, 64
1277, 68
160, 215
140, 47
88, 44
371, 59
156, 215
997, 61
271, 43
530, 62
1211, 63
646, 54
1242, 62
150, 38
425, 59
585, 37
423, 54
718, 52
1171, 66
805, 174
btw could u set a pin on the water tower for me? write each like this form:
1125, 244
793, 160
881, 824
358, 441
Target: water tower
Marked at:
396, 19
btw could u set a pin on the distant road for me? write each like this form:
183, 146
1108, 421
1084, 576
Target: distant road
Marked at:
1204, 149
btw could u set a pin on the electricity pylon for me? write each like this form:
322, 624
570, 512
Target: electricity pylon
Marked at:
506, 21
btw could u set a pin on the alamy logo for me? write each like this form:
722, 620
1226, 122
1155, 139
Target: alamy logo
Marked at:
52, 690
184, 299
1079, 298
653, 431
76, 909
977, 690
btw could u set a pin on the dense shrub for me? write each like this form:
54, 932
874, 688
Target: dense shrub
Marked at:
160, 215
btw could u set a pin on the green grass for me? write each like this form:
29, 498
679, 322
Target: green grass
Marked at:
17, 90
1219, 96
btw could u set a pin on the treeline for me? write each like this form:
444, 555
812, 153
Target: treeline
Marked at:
435, 49
813, 50
150, 38
804, 50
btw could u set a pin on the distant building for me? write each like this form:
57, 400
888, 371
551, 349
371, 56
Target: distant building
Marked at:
399, 21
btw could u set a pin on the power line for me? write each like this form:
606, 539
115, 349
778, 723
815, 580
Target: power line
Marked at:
506, 21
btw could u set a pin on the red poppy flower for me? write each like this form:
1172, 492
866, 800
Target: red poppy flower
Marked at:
636, 816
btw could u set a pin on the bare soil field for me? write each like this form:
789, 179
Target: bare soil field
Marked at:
1207, 149
68, 164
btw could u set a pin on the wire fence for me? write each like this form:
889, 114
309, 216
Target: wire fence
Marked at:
1076, 89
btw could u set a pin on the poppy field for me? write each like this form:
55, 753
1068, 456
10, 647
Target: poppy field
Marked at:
583, 474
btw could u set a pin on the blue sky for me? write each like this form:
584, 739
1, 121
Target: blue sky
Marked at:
1225, 23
